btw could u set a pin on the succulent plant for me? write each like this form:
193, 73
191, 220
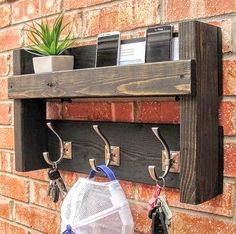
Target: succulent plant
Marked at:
45, 40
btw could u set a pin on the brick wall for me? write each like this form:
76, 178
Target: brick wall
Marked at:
24, 206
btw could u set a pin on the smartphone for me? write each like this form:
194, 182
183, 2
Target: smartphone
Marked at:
159, 44
108, 49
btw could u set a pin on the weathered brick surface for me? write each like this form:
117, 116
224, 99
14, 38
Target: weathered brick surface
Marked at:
5, 208
6, 161
122, 111
6, 113
13, 38
176, 10
25, 10
3, 89
5, 60
38, 196
121, 16
6, 138
9, 228
227, 117
186, 223
88, 111
229, 74
159, 112
5, 15
15, 188
230, 159
36, 218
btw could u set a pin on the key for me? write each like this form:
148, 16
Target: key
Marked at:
158, 220
56, 185
162, 228
166, 210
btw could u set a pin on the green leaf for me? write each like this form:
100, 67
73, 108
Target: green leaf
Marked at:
45, 39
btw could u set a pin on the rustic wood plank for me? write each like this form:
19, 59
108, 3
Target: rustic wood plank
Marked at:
139, 147
163, 79
200, 174
30, 134
29, 127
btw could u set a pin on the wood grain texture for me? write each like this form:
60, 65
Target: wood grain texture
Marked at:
139, 147
30, 134
164, 78
200, 175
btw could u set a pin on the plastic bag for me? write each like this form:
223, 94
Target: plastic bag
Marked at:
96, 207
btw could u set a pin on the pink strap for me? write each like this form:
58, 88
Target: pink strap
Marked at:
152, 201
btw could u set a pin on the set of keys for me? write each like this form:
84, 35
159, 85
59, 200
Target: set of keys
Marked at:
56, 185
159, 213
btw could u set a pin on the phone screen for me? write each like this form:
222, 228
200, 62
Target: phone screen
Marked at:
158, 44
108, 50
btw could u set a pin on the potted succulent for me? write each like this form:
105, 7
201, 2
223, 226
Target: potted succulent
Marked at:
46, 44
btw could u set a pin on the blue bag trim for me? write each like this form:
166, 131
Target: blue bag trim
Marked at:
105, 170
68, 230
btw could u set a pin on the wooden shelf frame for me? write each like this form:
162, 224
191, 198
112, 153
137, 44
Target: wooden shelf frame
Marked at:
195, 78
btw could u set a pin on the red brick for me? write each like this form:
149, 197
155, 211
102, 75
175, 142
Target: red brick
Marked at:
48, 7
185, 223
122, 17
5, 208
158, 112
5, 13
6, 161
25, 10
218, 7
177, 10
5, 113
15, 188
69, 177
226, 29
122, 111
88, 111
73, 4
38, 196
3, 89
13, 38
7, 228
229, 74
5, 60
75, 26
38, 175
140, 216
6, 138
37, 218
146, 12
128, 187
54, 110
221, 205
227, 117
230, 159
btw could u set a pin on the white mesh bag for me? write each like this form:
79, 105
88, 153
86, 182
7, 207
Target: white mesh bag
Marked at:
96, 207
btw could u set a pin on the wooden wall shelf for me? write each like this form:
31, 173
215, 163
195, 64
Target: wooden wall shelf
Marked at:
155, 79
195, 78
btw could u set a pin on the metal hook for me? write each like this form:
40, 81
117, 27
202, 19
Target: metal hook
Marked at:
46, 154
168, 160
112, 153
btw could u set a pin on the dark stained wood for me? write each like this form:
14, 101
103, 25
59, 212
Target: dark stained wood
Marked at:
29, 127
200, 159
154, 79
30, 134
139, 147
